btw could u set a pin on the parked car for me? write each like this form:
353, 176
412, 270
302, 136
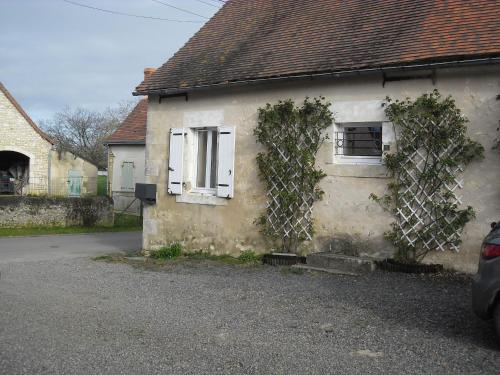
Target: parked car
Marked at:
6, 184
486, 285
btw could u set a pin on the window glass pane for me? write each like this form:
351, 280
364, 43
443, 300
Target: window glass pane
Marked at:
201, 164
213, 166
362, 141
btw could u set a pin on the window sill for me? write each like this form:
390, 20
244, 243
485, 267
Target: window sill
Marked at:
356, 170
197, 198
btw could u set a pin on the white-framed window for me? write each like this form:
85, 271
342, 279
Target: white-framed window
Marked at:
206, 142
201, 161
358, 142
127, 176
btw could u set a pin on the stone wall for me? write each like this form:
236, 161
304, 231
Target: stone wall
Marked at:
16, 134
16, 211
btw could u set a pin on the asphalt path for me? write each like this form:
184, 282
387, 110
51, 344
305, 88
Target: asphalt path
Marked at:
39, 248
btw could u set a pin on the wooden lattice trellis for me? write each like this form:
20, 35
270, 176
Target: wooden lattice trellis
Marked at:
432, 150
291, 220
292, 136
423, 215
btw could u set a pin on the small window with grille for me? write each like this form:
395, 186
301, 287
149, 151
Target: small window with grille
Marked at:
358, 143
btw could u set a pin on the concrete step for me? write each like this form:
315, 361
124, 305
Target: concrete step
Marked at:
333, 271
339, 262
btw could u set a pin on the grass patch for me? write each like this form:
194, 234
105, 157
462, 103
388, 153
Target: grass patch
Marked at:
168, 252
102, 186
128, 221
246, 257
123, 223
107, 258
171, 255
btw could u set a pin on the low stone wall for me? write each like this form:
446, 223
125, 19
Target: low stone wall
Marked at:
16, 211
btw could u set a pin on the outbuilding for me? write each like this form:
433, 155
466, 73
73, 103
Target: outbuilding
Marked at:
30, 161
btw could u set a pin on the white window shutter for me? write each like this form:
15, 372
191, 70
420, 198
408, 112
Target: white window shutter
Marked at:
225, 166
176, 161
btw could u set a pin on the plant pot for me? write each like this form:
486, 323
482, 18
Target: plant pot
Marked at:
392, 265
282, 259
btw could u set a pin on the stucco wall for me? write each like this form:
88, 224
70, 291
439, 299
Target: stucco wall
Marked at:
346, 209
120, 154
16, 134
64, 162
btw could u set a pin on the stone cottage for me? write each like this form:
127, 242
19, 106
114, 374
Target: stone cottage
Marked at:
126, 157
30, 161
203, 104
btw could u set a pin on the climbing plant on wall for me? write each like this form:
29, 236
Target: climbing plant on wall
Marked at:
432, 150
292, 136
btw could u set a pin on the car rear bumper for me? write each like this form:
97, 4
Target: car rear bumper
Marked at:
484, 294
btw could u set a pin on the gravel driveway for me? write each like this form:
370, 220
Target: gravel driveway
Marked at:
78, 316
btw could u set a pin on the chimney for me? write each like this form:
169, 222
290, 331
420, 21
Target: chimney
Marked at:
148, 72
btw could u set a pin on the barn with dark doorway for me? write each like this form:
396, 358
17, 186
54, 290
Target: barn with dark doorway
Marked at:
30, 162
14, 169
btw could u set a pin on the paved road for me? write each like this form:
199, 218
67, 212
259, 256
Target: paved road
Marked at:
78, 316
37, 248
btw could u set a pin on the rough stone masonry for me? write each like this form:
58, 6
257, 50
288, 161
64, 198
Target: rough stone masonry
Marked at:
17, 211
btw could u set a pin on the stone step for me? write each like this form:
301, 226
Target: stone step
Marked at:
339, 262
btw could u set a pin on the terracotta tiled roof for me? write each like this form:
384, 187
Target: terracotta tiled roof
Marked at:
23, 113
133, 128
261, 39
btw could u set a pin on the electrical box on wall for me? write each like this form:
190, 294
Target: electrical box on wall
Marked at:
146, 193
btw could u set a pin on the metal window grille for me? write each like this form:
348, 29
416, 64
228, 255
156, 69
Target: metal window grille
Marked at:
359, 141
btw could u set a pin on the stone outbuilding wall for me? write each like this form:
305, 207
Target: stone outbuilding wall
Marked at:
48, 169
17, 134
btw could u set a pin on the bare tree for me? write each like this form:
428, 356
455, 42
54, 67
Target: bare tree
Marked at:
81, 131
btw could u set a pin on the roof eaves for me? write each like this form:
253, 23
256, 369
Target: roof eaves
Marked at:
417, 65
124, 142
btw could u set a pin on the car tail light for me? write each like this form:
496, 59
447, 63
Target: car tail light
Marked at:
490, 251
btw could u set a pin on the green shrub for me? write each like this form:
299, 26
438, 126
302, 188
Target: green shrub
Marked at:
169, 252
248, 256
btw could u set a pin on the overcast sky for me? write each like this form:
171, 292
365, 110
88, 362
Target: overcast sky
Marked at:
55, 54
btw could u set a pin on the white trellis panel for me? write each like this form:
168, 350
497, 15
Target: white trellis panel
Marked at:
293, 221
415, 217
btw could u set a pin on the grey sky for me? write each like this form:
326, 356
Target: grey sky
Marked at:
54, 54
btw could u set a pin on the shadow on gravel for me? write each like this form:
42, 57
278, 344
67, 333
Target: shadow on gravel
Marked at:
437, 303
